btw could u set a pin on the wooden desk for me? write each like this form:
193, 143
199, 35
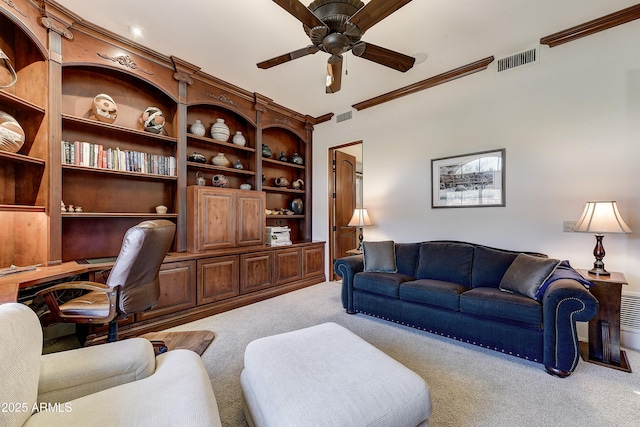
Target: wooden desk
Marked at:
604, 329
10, 284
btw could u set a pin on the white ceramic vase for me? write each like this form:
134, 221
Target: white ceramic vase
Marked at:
220, 160
197, 128
220, 131
239, 139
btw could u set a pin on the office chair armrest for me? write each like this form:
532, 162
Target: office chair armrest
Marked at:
67, 375
56, 315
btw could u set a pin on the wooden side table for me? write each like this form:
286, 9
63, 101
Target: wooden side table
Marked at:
604, 329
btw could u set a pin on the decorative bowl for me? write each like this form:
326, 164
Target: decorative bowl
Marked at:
197, 158
11, 133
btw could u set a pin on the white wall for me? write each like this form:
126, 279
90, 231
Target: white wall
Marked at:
571, 129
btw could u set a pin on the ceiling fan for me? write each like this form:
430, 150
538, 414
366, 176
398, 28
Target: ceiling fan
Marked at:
335, 27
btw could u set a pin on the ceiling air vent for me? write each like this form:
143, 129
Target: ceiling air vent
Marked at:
519, 59
344, 116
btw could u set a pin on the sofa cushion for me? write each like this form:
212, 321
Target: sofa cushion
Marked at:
492, 302
489, 265
380, 283
380, 256
527, 273
446, 261
407, 258
433, 292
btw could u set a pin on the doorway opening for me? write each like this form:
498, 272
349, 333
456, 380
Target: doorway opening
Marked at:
345, 195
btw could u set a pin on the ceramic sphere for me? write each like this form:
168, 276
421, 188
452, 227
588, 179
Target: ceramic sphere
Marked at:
153, 120
104, 108
11, 133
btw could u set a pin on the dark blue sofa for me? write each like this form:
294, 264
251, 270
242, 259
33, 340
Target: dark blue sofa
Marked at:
452, 289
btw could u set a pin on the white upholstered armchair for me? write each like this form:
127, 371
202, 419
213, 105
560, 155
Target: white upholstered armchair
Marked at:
120, 383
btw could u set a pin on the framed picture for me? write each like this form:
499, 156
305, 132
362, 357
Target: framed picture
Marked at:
470, 180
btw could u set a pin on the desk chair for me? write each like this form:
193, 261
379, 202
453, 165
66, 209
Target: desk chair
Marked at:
132, 285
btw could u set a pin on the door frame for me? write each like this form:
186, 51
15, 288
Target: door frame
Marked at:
331, 204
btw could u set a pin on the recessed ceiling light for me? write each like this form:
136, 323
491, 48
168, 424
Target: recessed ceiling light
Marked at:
135, 30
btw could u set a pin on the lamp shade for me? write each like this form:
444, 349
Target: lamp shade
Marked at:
601, 217
360, 218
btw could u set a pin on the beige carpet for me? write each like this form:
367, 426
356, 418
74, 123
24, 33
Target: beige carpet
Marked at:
470, 386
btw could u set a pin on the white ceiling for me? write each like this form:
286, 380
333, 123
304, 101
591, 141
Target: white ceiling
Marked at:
226, 38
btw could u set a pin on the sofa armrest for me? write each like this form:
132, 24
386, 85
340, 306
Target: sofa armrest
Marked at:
71, 374
565, 302
347, 268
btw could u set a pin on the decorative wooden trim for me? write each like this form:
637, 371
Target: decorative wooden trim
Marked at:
448, 76
126, 61
224, 98
53, 25
321, 119
12, 5
183, 70
588, 28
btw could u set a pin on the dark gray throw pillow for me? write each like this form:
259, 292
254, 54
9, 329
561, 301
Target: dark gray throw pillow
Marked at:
380, 257
527, 273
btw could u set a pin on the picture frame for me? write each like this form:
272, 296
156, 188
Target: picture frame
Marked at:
469, 180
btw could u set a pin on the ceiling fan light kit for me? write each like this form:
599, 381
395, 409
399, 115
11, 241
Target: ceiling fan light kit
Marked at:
336, 27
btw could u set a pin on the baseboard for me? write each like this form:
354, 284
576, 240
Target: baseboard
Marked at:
630, 339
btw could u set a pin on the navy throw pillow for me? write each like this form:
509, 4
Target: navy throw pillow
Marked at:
449, 262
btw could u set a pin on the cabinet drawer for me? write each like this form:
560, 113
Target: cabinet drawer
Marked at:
257, 271
217, 279
288, 266
177, 289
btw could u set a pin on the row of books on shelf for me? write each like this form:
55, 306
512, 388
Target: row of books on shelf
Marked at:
92, 155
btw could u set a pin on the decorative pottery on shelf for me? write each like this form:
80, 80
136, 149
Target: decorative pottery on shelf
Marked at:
297, 206
238, 165
297, 159
161, 209
281, 182
197, 128
11, 133
297, 184
283, 157
239, 139
266, 151
220, 181
220, 160
6, 62
200, 179
153, 120
104, 108
245, 186
197, 158
220, 131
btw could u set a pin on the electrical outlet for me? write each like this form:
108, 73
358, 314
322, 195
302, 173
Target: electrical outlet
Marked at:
567, 226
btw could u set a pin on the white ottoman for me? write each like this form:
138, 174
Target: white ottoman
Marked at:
326, 375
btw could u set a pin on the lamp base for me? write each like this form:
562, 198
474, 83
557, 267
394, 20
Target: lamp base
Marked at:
598, 271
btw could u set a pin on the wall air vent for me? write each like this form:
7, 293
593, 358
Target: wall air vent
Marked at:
630, 312
344, 116
529, 56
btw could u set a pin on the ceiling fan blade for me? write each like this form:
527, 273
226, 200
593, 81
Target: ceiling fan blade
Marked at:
375, 11
300, 12
334, 74
309, 50
388, 58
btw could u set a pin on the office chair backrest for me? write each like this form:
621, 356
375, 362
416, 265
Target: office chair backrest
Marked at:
136, 269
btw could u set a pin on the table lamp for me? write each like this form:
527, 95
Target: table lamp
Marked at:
600, 218
359, 219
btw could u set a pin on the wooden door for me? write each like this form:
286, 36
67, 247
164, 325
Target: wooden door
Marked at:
177, 289
250, 229
256, 271
211, 218
288, 266
344, 238
217, 278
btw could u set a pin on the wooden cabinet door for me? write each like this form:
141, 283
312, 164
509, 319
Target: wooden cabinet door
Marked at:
211, 219
177, 289
257, 271
251, 220
288, 265
217, 279
313, 261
